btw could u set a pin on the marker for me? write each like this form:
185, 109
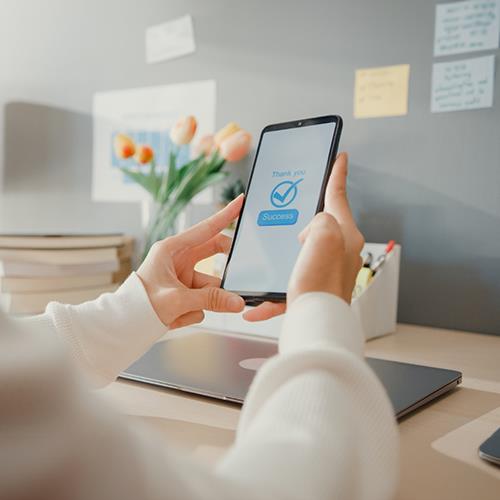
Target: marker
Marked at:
362, 281
381, 260
367, 259
390, 246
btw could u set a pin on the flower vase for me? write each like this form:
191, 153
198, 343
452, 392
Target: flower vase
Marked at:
162, 223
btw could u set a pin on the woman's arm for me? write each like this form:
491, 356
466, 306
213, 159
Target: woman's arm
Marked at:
316, 425
106, 335
318, 402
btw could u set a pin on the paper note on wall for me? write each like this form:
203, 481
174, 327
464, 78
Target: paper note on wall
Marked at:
466, 26
169, 40
381, 91
461, 85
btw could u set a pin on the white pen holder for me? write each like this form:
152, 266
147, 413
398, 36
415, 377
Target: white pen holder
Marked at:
376, 306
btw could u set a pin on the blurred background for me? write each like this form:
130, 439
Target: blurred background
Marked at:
429, 181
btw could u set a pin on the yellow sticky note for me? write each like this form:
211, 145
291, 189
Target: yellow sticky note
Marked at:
381, 91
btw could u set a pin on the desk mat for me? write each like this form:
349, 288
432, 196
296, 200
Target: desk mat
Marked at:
462, 443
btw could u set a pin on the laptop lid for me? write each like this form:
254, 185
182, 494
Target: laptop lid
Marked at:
223, 365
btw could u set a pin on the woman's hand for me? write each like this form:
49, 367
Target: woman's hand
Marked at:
177, 292
330, 257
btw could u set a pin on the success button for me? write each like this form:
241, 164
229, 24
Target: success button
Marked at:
278, 217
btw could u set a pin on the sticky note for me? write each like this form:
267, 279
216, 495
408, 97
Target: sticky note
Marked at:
381, 91
169, 40
466, 26
461, 85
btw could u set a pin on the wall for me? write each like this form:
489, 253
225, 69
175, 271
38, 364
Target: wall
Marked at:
430, 181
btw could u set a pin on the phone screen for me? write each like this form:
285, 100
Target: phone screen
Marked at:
282, 198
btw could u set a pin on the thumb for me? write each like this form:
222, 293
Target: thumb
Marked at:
213, 299
336, 202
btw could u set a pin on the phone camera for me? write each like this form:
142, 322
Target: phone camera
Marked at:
299, 124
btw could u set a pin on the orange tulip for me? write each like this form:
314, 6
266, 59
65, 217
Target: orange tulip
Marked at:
144, 154
230, 129
183, 131
236, 146
124, 146
204, 147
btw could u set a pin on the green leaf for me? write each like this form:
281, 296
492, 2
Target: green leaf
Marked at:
154, 180
181, 172
209, 181
218, 163
176, 175
168, 178
142, 179
172, 170
188, 176
197, 187
192, 178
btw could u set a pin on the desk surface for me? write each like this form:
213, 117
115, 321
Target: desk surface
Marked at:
206, 427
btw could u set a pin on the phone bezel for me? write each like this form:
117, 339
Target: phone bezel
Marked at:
255, 298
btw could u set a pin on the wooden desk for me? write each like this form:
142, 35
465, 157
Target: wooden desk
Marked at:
206, 427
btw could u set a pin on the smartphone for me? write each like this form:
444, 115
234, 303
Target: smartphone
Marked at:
285, 190
490, 449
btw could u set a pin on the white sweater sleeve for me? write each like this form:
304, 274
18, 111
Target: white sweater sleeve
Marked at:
316, 424
105, 336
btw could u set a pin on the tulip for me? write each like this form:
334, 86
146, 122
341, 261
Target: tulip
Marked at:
144, 154
184, 130
124, 146
236, 146
204, 147
225, 132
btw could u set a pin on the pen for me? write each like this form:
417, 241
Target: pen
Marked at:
381, 260
367, 259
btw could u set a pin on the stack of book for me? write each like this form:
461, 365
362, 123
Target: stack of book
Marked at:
38, 269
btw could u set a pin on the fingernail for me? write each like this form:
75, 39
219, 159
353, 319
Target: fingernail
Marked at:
235, 303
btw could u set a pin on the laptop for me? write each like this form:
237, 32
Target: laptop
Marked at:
223, 365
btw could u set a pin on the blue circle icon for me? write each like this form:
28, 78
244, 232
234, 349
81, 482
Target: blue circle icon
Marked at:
284, 193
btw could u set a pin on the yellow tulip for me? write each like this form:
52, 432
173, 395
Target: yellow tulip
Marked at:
183, 131
124, 146
225, 132
144, 154
236, 146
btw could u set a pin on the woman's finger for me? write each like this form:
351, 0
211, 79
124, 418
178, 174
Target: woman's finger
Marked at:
220, 243
202, 280
202, 232
266, 310
303, 234
210, 298
336, 202
317, 263
187, 319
